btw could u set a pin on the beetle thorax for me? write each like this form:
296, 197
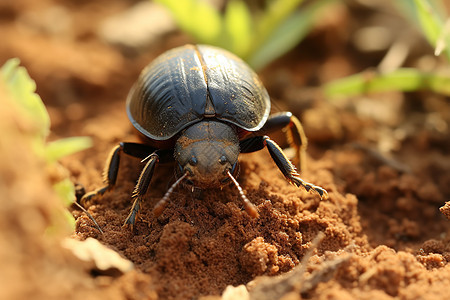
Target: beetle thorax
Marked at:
206, 151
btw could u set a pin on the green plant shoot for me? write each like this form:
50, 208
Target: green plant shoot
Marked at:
23, 90
431, 18
259, 37
404, 79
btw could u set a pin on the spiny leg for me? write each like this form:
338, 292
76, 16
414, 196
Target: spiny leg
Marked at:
143, 182
109, 176
112, 167
141, 188
296, 137
286, 167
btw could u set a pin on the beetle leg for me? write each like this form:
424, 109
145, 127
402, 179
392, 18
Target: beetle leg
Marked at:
112, 167
286, 167
141, 188
109, 176
296, 137
143, 182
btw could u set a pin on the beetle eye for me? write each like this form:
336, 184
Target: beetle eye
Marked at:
222, 159
193, 161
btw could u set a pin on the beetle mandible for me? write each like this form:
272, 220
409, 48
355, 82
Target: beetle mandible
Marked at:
201, 106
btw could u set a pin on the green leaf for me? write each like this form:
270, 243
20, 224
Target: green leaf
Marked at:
22, 89
443, 42
66, 191
198, 18
429, 16
64, 147
404, 79
256, 39
238, 25
275, 14
430, 22
287, 35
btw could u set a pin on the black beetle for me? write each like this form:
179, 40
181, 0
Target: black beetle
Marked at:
202, 106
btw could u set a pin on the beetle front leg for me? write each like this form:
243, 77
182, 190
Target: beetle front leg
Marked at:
112, 167
296, 137
163, 156
141, 188
286, 167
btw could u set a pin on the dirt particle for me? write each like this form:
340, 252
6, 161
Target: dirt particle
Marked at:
445, 210
259, 257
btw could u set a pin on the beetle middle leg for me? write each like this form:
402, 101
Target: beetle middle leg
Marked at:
296, 137
286, 167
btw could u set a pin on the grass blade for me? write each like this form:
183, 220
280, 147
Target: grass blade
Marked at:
429, 16
404, 79
428, 20
443, 42
238, 25
67, 146
270, 20
287, 35
197, 18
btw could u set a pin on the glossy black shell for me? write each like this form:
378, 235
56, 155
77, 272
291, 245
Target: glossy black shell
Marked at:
187, 84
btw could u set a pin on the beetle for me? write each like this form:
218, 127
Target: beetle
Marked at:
201, 106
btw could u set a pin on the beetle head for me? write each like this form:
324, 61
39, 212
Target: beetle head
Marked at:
206, 151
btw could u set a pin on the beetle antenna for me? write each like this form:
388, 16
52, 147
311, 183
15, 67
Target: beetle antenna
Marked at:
250, 208
159, 207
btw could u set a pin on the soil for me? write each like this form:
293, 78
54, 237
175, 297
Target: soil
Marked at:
384, 159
